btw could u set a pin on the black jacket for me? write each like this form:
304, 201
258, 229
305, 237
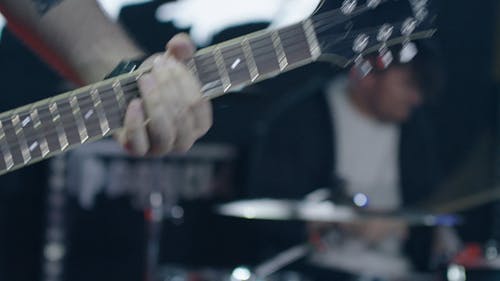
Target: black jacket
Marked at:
294, 155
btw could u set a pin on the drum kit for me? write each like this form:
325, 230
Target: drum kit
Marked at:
365, 265
347, 256
366, 262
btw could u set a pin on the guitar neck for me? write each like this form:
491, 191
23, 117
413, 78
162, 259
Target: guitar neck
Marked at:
37, 131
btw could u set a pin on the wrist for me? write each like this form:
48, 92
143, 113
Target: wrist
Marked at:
94, 68
126, 66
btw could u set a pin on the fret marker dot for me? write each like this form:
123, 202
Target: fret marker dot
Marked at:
88, 114
235, 63
33, 146
26, 121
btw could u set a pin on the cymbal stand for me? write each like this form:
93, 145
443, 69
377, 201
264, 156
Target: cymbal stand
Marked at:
282, 260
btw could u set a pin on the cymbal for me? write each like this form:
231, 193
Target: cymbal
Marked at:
326, 211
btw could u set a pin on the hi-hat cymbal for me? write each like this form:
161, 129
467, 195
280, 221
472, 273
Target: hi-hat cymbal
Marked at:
326, 211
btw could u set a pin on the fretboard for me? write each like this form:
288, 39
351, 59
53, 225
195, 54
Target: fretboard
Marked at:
239, 62
37, 131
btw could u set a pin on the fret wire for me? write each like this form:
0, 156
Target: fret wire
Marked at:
251, 64
77, 114
13, 142
117, 89
47, 126
111, 107
56, 120
44, 146
280, 52
69, 122
224, 76
89, 115
100, 112
18, 129
312, 40
27, 126
7, 154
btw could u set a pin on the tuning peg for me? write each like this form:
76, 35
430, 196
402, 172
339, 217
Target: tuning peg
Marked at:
384, 59
409, 49
363, 66
372, 3
419, 9
385, 56
408, 52
348, 6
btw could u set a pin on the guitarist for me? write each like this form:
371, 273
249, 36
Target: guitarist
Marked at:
76, 38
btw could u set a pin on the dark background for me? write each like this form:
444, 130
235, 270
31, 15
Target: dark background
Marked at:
464, 115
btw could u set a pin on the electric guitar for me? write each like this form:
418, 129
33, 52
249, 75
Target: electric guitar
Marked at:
342, 36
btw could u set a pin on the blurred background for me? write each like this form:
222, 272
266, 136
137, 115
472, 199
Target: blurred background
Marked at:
91, 215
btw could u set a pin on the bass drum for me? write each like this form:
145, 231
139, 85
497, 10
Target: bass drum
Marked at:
179, 273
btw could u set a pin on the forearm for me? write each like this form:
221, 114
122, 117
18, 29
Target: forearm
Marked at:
76, 32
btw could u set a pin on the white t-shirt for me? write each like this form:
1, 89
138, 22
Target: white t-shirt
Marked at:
367, 160
366, 150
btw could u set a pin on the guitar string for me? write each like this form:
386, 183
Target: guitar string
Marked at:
103, 97
103, 93
318, 19
269, 54
324, 15
298, 47
323, 19
48, 135
32, 137
35, 137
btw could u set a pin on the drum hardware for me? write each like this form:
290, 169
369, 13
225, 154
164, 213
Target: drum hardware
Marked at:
282, 260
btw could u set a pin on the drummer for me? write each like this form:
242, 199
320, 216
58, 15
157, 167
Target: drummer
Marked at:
371, 132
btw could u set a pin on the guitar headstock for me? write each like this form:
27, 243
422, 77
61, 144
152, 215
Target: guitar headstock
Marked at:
371, 27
